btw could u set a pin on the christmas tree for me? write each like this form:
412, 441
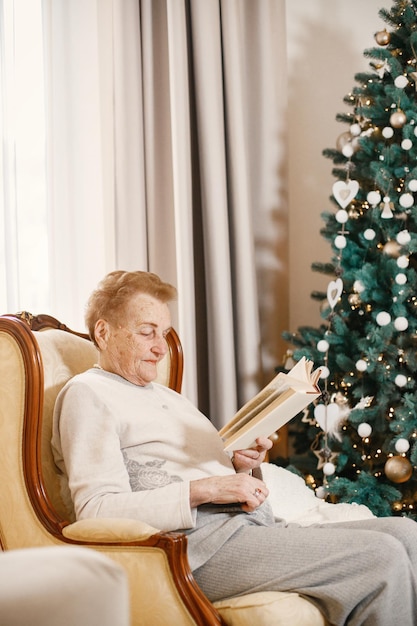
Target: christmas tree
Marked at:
359, 442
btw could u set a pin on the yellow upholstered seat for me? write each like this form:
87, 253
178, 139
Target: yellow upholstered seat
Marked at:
38, 355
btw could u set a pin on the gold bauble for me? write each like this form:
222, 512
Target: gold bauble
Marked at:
310, 480
392, 248
343, 140
398, 119
398, 469
354, 299
382, 37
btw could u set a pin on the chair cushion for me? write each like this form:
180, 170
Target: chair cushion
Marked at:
270, 608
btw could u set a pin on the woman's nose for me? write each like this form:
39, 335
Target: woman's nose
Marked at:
161, 346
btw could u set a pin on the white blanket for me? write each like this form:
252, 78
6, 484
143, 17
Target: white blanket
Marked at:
291, 499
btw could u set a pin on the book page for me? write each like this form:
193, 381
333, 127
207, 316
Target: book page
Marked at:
277, 403
299, 378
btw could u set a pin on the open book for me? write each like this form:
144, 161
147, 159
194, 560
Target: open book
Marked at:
283, 398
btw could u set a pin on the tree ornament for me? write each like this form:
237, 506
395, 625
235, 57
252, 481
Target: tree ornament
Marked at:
322, 345
358, 286
403, 261
355, 130
342, 216
345, 192
383, 318
401, 81
382, 67
342, 140
364, 430
392, 248
400, 380
329, 417
412, 185
374, 198
398, 119
406, 200
361, 365
387, 132
386, 210
401, 323
348, 150
402, 445
334, 291
369, 234
325, 372
398, 469
401, 279
321, 492
340, 242
354, 300
382, 37
406, 144
403, 237
397, 507
329, 469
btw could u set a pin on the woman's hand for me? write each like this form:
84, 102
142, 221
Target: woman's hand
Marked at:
250, 459
246, 490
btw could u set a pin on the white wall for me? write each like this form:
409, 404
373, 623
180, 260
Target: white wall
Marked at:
325, 40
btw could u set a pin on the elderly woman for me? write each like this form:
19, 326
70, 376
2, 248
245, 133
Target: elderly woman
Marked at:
129, 447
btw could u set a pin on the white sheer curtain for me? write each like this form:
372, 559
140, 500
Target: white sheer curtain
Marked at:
160, 116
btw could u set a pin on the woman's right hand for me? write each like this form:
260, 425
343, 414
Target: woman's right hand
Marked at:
241, 488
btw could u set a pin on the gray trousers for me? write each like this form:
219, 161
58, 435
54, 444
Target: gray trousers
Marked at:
362, 572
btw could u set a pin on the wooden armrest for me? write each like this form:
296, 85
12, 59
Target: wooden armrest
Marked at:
109, 530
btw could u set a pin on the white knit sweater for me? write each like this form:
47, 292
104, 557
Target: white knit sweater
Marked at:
131, 451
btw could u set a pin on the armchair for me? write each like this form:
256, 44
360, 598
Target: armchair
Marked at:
38, 354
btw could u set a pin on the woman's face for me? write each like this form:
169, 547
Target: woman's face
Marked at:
133, 346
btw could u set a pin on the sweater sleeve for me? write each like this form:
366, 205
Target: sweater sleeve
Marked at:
86, 447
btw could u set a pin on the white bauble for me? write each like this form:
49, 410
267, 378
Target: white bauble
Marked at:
403, 261
361, 365
324, 372
401, 323
369, 234
401, 279
401, 81
322, 345
364, 430
406, 200
347, 150
383, 318
402, 445
340, 242
387, 132
374, 198
329, 468
412, 185
342, 216
358, 286
400, 380
321, 493
355, 130
403, 237
406, 144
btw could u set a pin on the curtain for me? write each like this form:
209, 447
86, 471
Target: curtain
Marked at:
159, 123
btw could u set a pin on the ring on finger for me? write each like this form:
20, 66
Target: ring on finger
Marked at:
257, 493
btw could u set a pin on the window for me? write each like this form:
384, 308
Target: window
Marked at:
24, 275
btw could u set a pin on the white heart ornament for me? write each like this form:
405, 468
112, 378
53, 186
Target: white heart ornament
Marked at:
334, 291
328, 417
345, 192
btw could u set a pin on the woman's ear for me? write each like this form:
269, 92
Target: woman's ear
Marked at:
101, 333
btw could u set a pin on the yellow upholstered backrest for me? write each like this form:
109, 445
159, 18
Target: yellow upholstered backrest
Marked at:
63, 356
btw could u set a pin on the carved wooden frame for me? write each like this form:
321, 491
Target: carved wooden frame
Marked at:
174, 545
